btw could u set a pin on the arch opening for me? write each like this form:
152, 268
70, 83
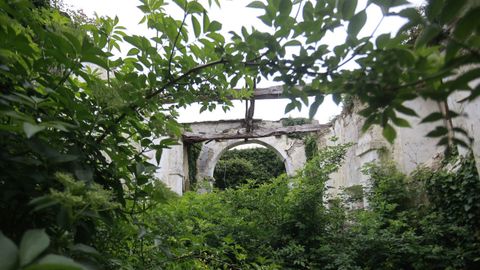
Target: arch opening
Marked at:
242, 161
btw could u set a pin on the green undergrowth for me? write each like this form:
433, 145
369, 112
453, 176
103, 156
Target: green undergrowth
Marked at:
427, 220
238, 166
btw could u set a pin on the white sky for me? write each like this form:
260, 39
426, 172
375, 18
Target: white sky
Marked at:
233, 15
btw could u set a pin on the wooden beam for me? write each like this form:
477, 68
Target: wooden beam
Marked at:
191, 137
272, 92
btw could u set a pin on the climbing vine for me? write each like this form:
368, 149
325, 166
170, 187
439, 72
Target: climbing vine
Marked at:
193, 152
311, 147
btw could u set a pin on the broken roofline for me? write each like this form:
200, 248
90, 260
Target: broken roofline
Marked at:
259, 132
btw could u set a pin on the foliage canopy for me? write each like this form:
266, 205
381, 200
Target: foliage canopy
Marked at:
70, 132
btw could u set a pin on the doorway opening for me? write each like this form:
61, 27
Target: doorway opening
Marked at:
247, 162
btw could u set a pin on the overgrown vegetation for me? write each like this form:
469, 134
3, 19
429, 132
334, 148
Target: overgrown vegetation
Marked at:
287, 224
290, 121
193, 152
76, 120
238, 166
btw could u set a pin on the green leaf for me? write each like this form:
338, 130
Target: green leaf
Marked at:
389, 133
435, 116
31, 129
382, 41
400, 122
181, 3
99, 61
290, 106
195, 7
451, 10
467, 25
462, 81
292, 42
369, 121
206, 21
158, 155
348, 9
308, 11
405, 110
314, 107
139, 168
285, 7
196, 27
337, 98
33, 243
437, 132
443, 141
82, 248
42, 202
214, 26
433, 8
55, 262
256, 4
356, 23
8, 253
133, 51
412, 15
427, 35
452, 50
217, 37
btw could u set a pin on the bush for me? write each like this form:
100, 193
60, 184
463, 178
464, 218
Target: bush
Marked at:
286, 223
237, 166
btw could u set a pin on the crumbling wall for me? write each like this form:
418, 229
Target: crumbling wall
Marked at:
410, 149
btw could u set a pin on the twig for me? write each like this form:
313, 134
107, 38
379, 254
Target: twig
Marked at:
169, 84
158, 91
175, 43
355, 53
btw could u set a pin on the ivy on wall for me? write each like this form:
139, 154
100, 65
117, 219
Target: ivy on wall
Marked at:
193, 151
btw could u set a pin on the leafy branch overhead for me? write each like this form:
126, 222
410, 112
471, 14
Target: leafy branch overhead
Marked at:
73, 107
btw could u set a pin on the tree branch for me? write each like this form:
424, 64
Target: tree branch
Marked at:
110, 128
355, 53
175, 44
133, 107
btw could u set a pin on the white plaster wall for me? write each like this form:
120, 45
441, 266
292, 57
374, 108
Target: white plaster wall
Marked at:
410, 149
470, 119
171, 169
346, 128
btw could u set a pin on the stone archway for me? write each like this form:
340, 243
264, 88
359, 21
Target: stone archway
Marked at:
219, 136
290, 151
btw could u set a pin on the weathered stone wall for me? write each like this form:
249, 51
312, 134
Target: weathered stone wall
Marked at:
410, 149
173, 167
290, 151
470, 120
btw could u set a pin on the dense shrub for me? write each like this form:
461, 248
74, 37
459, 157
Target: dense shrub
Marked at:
237, 166
287, 223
